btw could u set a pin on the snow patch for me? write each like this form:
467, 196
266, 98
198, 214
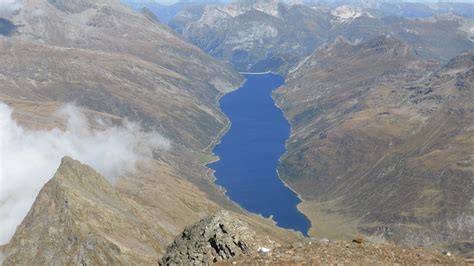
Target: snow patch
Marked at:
345, 14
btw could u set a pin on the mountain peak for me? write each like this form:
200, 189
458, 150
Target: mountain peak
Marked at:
70, 167
463, 60
388, 45
73, 174
340, 43
79, 218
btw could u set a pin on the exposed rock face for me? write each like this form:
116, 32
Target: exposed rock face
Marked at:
79, 218
267, 35
385, 139
215, 238
276, 36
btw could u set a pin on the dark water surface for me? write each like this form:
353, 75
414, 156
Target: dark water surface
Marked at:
250, 150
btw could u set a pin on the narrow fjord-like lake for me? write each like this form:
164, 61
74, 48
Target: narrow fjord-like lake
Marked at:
249, 153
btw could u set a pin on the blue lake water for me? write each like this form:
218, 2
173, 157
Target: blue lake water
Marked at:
250, 150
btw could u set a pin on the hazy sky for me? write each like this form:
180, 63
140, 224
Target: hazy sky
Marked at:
8, 6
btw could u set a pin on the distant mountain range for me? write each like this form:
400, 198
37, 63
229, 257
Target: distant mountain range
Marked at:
270, 35
408, 9
165, 12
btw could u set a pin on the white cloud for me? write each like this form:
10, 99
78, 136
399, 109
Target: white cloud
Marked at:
9, 6
29, 158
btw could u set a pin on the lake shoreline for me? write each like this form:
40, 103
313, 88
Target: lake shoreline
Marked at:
294, 199
300, 197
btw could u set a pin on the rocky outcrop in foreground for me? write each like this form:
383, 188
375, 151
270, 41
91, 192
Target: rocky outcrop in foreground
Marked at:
215, 238
224, 239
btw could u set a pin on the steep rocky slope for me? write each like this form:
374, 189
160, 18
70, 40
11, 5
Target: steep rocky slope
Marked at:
129, 68
271, 35
37, 79
117, 84
79, 218
113, 34
109, 26
382, 143
104, 57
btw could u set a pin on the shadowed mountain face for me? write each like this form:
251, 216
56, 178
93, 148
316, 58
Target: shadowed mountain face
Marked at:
274, 36
388, 143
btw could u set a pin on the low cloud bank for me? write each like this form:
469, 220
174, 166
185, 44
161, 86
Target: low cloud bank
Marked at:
28, 158
9, 6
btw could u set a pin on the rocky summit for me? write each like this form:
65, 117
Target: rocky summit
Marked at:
216, 238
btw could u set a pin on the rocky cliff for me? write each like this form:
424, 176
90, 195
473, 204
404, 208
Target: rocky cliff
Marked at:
219, 237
